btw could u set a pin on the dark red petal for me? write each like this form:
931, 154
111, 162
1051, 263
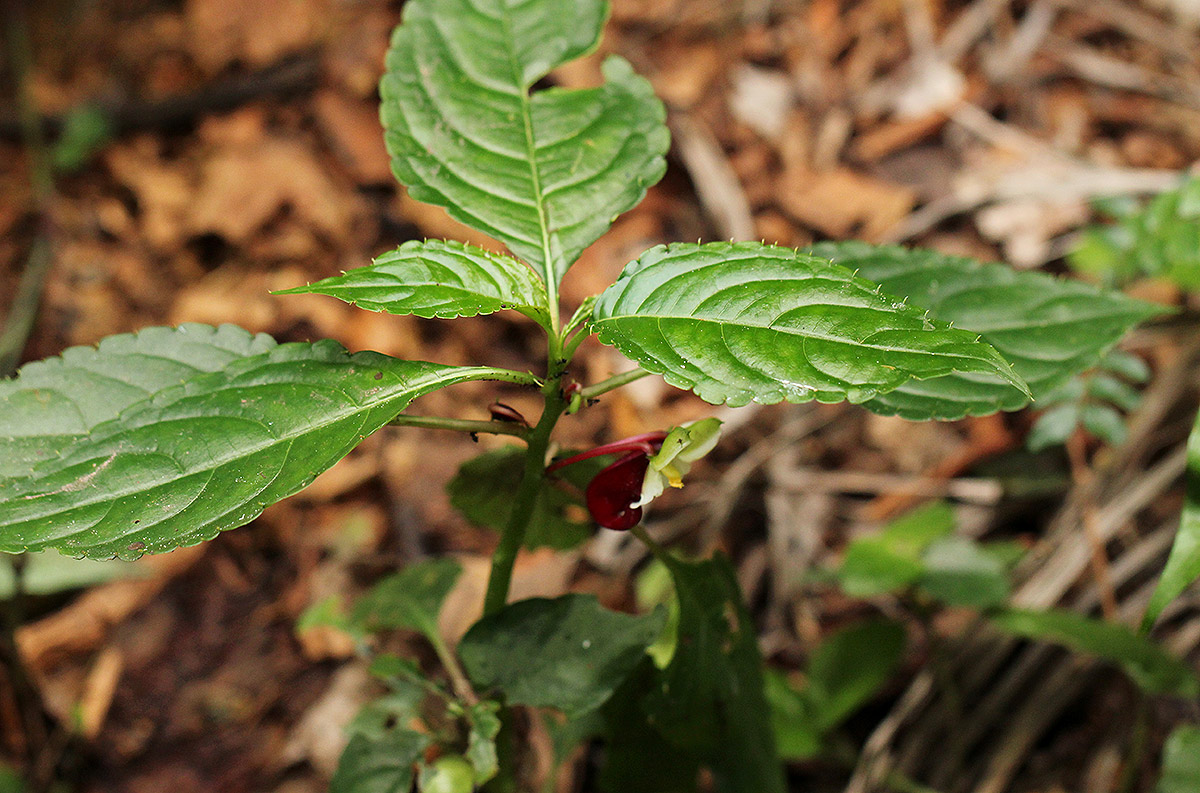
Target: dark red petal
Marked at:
614, 489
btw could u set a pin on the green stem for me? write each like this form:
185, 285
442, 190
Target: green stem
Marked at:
525, 499
458, 678
616, 381
462, 425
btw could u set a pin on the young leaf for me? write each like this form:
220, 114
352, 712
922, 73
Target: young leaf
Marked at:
410, 598
709, 700
481, 741
206, 453
435, 278
568, 653
1181, 761
379, 765
52, 404
848, 668
545, 173
741, 322
959, 572
483, 487
892, 560
1147, 664
1183, 563
1048, 328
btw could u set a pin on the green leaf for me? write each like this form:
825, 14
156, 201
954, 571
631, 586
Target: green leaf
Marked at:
1104, 422
959, 572
1147, 664
379, 765
50, 573
435, 278
86, 130
568, 653
411, 598
849, 667
202, 454
483, 487
1181, 761
1053, 428
11, 781
742, 322
1183, 563
1048, 328
545, 173
53, 404
797, 733
892, 560
709, 700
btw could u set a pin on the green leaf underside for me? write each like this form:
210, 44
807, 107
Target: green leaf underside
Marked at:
379, 764
1147, 664
1183, 563
436, 278
206, 453
742, 322
568, 653
483, 487
1048, 328
544, 173
53, 403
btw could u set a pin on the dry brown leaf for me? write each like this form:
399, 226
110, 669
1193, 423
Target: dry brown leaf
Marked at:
841, 203
355, 135
163, 190
253, 32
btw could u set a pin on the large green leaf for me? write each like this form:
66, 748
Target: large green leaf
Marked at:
1183, 564
205, 453
568, 653
435, 278
1048, 328
545, 173
709, 700
741, 322
56, 402
1147, 664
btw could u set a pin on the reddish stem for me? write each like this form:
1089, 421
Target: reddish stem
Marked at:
644, 443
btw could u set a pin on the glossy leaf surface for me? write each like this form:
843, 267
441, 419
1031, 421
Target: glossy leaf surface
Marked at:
1183, 563
437, 279
544, 172
568, 653
204, 453
381, 764
1048, 328
742, 322
54, 403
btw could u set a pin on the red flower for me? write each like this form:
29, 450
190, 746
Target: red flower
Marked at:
611, 494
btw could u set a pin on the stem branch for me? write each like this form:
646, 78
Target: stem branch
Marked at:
616, 381
462, 425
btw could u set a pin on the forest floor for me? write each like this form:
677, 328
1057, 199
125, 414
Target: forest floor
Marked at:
245, 156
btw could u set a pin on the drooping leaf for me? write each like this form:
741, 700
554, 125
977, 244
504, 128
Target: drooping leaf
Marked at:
202, 454
379, 765
742, 322
1181, 761
545, 173
1048, 328
483, 487
1147, 664
568, 653
709, 701
53, 404
410, 598
436, 278
1183, 563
